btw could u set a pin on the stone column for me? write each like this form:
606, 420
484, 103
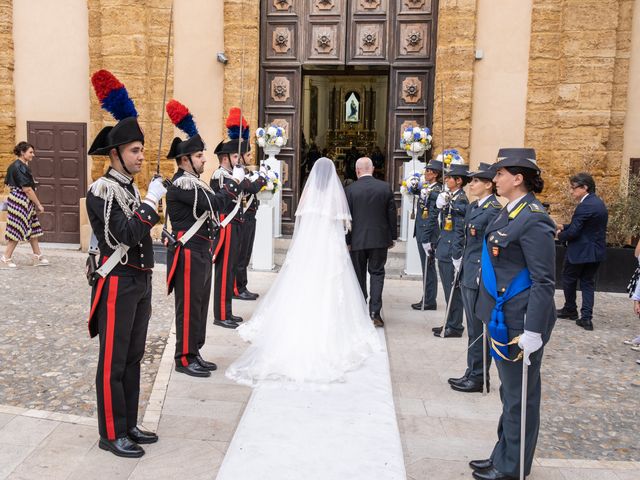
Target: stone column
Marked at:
7, 99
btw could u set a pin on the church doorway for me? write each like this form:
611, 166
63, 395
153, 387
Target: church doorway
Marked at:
344, 117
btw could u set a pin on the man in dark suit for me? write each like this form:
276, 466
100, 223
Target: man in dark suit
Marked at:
585, 237
373, 231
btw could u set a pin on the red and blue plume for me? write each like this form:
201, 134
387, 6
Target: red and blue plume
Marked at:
113, 96
233, 124
182, 118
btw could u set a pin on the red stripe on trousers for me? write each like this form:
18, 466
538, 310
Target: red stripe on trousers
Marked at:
96, 299
187, 306
235, 287
225, 263
108, 356
174, 265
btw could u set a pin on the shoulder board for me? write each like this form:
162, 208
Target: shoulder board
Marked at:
516, 211
104, 188
187, 182
534, 207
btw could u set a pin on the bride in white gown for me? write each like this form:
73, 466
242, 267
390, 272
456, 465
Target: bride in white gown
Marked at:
313, 324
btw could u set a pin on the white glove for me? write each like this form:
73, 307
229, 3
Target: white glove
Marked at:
156, 190
426, 247
263, 171
443, 200
238, 173
457, 263
530, 342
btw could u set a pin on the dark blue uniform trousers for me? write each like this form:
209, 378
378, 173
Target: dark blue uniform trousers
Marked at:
447, 272
474, 329
506, 453
431, 287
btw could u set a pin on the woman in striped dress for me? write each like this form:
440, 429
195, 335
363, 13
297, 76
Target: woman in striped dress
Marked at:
23, 208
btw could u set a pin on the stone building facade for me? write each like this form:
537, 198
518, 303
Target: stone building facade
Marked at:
557, 75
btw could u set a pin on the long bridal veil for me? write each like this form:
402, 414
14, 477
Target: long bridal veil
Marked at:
312, 326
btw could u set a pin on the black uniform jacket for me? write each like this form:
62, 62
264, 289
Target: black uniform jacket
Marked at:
522, 238
189, 196
131, 230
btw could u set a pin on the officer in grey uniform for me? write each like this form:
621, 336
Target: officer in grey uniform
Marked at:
480, 214
427, 232
450, 245
515, 299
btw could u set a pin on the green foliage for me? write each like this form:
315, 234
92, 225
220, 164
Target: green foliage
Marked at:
624, 215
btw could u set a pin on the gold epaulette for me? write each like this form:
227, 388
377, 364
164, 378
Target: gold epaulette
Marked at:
516, 211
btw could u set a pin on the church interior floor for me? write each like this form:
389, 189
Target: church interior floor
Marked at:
590, 388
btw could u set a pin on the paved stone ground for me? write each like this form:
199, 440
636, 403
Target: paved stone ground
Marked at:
48, 362
590, 391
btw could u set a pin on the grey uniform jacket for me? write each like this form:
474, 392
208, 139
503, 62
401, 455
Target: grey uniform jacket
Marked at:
450, 244
427, 229
476, 221
522, 238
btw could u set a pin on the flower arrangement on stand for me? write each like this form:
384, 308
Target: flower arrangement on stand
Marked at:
412, 185
415, 141
451, 157
267, 192
271, 136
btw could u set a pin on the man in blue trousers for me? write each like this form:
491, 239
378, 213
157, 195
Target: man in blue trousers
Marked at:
585, 238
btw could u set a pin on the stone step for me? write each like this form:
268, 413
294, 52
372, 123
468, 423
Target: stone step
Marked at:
394, 267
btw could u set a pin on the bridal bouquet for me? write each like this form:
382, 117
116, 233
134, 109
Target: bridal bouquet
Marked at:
412, 185
416, 140
271, 136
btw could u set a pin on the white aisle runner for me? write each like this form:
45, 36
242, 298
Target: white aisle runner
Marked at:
345, 432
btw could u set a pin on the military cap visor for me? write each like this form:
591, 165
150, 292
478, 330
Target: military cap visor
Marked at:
125, 131
485, 172
457, 170
435, 165
517, 157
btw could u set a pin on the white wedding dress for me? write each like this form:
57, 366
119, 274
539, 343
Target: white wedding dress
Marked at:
313, 325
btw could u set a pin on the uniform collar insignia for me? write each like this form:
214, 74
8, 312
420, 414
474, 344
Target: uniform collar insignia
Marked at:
119, 177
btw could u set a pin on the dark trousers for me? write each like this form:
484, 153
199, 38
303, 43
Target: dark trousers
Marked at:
586, 274
447, 273
373, 260
248, 235
122, 315
225, 262
506, 453
431, 286
192, 287
474, 329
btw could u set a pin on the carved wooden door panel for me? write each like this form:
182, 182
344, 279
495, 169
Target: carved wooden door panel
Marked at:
412, 56
368, 32
325, 27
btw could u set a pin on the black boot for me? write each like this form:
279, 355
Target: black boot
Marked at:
206, 365
481, 464
427, 306
245, 295
235, 318
468, 386
376, 319
122, 447
142, 436
225, 323
453, 381
568, 314
193, 369
586, 324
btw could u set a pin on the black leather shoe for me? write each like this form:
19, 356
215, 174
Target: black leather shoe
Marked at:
245, 296
194, 369
142, 436
122, 447
436, 330
377, 320
492, 474
481, 464
586, 324
562, 313
254, 294
235, 318
210, 366
453, 381
469, 386
225, 323
448, 333
427, 306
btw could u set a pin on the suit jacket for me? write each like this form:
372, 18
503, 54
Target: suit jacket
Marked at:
427, 229
522, 238
450, 243
374, 217
586, 234
476, 222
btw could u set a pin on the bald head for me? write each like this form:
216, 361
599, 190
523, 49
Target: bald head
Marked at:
364, 166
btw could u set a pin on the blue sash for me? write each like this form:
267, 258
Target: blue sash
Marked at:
497, 327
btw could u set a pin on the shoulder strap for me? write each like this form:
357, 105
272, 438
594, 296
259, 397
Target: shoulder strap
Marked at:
113, 260
194, 228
